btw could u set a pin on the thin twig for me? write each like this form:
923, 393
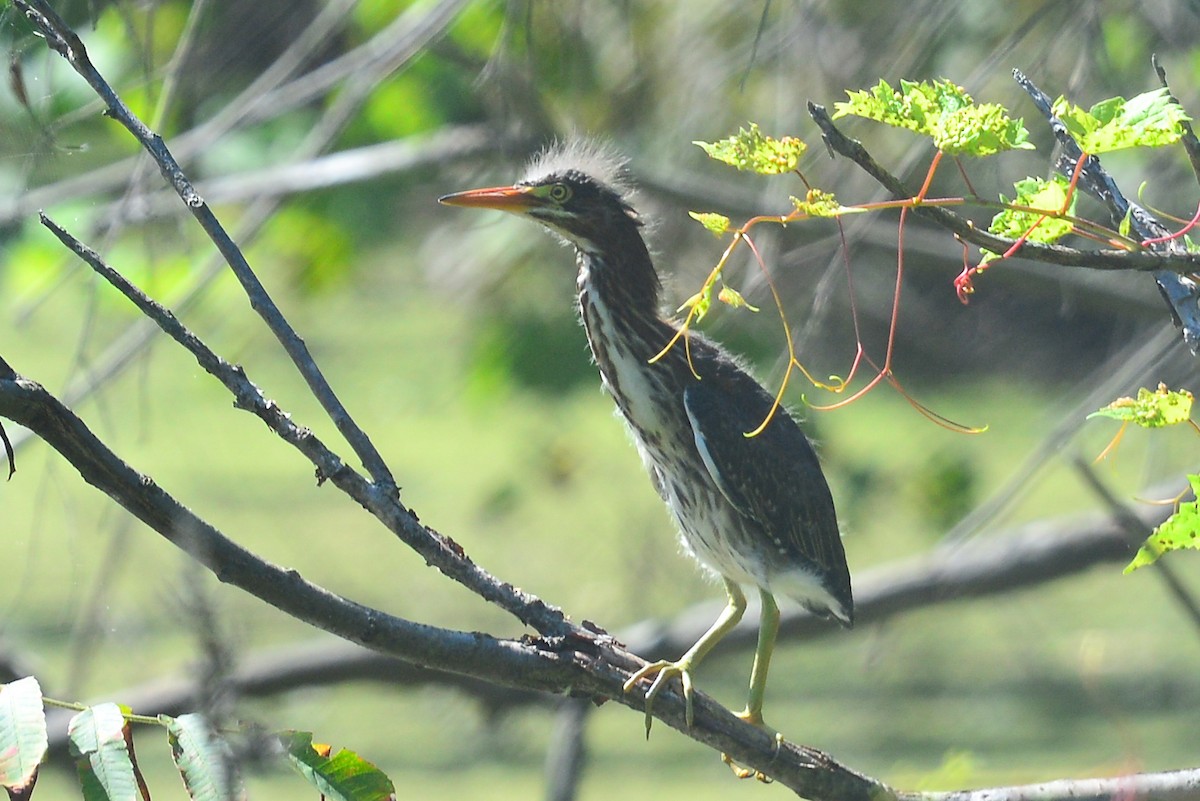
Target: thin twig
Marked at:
349, 166
437, 550
1191, 145
67, 44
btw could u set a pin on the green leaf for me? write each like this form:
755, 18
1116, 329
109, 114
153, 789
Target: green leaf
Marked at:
1162, 407
203, 759
732, 297
96, 737
343, 777
1048, 197
1123, 228
1151, 119
822, 204
699, 303
717, 224
751, 150
942, 111
23, 740
1180, 530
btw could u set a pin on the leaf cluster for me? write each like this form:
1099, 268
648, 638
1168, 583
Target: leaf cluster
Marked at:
100, 740
1035, 213
752, 150
1157, 409
1162, 407
943, 111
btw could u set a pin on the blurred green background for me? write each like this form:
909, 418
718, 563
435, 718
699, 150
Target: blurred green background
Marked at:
451, 338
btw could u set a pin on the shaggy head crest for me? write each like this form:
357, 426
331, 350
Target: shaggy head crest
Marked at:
585, 160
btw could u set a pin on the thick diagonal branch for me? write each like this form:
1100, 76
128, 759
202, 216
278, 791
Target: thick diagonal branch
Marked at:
578, 662
438, 550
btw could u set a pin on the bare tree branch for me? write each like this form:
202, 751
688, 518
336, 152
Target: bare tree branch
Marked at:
1178, 785
576, 661
1191, 144
335, 169
66, 43
1028, 556
437, 550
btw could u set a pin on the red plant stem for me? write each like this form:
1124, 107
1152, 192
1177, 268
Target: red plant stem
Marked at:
1189, 226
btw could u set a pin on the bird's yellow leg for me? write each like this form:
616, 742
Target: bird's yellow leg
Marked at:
665, 670
768, 629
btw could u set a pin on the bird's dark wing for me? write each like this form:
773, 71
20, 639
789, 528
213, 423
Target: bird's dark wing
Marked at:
773, 478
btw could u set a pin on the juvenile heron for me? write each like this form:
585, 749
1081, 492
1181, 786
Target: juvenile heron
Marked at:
755, 511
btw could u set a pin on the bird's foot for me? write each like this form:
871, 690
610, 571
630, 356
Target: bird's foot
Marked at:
663, 671
754, 719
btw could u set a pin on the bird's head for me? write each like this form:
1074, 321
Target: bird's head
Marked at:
576, 192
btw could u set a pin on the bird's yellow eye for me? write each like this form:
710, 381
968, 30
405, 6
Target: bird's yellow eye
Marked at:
559, 193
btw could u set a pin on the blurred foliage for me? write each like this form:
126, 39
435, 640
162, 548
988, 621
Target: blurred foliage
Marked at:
948, 488
453, 341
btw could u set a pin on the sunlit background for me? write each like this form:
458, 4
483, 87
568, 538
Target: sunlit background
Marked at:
451, 337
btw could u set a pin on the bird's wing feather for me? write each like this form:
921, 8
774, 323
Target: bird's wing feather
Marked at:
774, 478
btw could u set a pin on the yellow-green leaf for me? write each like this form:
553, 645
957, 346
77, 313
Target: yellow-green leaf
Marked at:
1046, 197
1123, 228
699, 303
717, 224
1151, 119
1180, 530
942, 111
821, 204
732, 297
1162, 407
750, 149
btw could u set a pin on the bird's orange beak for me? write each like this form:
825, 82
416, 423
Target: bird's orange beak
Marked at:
502, 198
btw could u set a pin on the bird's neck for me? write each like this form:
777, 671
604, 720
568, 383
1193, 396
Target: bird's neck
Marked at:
622, 275
619, 296
618, 305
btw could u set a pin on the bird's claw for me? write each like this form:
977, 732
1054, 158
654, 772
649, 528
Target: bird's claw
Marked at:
663, 671
754, 719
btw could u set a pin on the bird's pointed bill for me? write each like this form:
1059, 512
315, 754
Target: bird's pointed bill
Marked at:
502, 198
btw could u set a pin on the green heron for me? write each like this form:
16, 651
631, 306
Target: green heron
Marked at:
754, 510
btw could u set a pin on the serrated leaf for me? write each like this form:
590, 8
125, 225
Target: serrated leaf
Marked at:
1151, 119
204, 760
717, 224
732, 297
752, 150
96, 737
817, 203
1048, 197
1162, 407
23, 740
982, 130
345, 776
942, 111
1180, 530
